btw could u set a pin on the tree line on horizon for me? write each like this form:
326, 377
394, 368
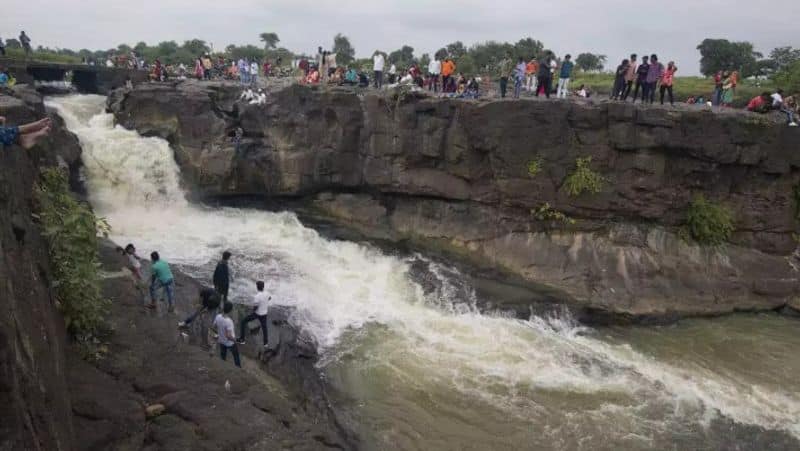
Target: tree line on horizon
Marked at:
782, 64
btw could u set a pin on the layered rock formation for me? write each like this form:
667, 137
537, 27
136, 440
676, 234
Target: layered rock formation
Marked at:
36, 412
454, 175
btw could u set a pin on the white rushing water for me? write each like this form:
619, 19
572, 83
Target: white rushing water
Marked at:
437, 342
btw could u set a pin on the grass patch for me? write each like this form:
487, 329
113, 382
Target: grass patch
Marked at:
708, 223
684, 87
71, 230
535, 167
49, 57
583, 179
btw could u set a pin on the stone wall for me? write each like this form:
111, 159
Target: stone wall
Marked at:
453, 175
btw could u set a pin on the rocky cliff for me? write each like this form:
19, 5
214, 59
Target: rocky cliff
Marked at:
34, 393
455, 176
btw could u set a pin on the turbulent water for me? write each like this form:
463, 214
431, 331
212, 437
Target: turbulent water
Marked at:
421, 368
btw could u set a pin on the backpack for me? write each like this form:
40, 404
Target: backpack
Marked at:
209, 298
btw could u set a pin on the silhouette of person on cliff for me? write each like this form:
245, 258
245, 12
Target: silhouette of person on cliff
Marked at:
26, 43
222, 276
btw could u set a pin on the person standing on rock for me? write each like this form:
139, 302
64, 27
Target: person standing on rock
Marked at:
161, 278
505, 71
26, 43
519, 77
545, 75
641, 79
260, 309
222, 276
135, 267
226, 334
2, 47
564, 76
654, 74
667, 78
434, 69
254, 73
378, 62
630, 77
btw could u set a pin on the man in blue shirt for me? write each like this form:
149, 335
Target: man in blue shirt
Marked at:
564, 76
161, 278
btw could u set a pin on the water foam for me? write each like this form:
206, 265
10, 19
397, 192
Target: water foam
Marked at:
340, 287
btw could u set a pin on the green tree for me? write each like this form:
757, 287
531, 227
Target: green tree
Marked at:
402, 57
270, 40
424, 61
456, 49
720, 54
784, 57
13, 44
345, 53
196, 47
789, 78
441, 54
124, 48
166, 48
486, 56
249, 52
589, 62
528, 48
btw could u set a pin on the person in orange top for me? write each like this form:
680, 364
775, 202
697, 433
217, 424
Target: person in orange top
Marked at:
530, 75
448, 68
667, 79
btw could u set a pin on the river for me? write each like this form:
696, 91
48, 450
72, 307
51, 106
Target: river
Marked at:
417, 368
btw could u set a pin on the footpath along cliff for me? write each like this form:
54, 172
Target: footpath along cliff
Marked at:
490, 181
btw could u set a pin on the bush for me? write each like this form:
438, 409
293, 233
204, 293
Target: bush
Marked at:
71, 230
547, 213
708, 223
583, 179
534, 167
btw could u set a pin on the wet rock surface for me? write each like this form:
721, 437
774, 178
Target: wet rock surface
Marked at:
203, 403
453, 175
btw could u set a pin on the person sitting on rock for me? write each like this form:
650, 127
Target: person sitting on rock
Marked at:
760, 104
27, 135
260, 309
351, 77
226, 334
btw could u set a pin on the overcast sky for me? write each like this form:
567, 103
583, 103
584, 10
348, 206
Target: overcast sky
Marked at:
611, 27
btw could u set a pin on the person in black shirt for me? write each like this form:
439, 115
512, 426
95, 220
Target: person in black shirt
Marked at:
222, 277
641, 79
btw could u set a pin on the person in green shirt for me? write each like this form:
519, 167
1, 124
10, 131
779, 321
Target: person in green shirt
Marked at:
161, 278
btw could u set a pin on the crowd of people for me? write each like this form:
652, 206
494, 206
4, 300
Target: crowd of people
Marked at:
212, 301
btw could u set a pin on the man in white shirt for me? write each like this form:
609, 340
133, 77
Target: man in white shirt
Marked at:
777, 104
434, 69
260, 310
254, 72
378, 61
227, 335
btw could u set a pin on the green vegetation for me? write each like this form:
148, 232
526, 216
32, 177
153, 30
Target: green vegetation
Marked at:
583, 179
545, 212
44, 55
534, 167
708, 223
71, 229
601, 83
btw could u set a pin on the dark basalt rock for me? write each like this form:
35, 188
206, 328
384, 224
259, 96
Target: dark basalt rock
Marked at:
452, 175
